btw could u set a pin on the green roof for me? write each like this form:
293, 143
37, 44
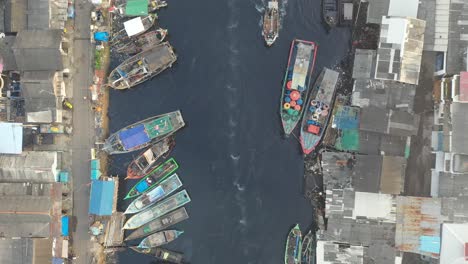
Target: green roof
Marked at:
136, 8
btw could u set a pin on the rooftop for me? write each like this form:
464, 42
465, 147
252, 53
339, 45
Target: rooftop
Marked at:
402, 8
400, 49
38, 50
16, 251
454, 242
12, 138
418, 223
30, 166
459, 142
101, 198
364, 61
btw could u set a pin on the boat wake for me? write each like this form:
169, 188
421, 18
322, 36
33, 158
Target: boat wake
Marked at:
235, 157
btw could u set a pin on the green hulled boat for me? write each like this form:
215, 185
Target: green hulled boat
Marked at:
152, 179
169, 204
308, 249
296, 83
292, 254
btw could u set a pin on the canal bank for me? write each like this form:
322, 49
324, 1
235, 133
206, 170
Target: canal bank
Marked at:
245, 181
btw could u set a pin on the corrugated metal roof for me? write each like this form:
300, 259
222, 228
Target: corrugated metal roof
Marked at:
463, 93
15, 15
12, 138
459, 142
24, 225
6, 52
30, 166
102, 197
364, 61
403, 8
393, 175
377, 9
400, 49
38, 14
416, 217
333, 252
16, 251
38, 50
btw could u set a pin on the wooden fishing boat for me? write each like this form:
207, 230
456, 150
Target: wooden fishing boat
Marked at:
146, 161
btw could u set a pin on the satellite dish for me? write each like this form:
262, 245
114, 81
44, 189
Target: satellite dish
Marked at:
2, 35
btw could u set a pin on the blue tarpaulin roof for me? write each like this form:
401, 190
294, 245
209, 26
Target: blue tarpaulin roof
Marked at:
57, 261
134, 136
95, 164
101, 198
101, 36
65, 225
429, 244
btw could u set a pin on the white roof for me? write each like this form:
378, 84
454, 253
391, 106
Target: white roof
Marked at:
454, 237
396, 32
374, 206
11, 135
134, 26
403, 8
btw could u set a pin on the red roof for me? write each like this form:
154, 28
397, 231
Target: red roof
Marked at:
466, 251
463, 86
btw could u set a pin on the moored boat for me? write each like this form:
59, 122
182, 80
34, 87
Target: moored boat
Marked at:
144, 133
167, 205
142, 66
160, 223
296, 83
308, 249
152, 179
162, 254
165, 188
153, 5
330, 12
160, 238
146, 161
292, 254
142, 42
133, 27
271, 23
318, 110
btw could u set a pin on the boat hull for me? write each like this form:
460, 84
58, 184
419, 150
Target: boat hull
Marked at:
162, 254
159, 224
152, 179
271, 23
296, 83
142, 42
147, 160
144, 133
318, 110
293, 251
142, 67
330, 12
167, 205
160, 238
308, 249
165, 188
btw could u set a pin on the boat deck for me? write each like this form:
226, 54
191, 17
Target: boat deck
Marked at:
160, 57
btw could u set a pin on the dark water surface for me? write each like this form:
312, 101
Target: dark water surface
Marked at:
245, 181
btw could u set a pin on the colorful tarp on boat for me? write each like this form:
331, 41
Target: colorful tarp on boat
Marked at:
136, 8
134, 136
